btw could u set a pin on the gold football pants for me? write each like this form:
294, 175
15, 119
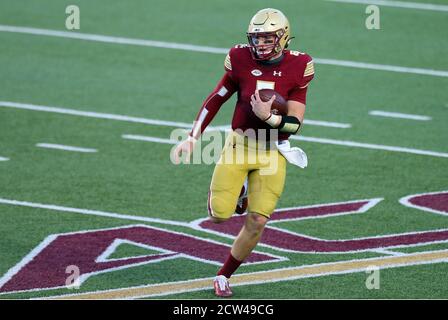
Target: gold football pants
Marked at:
243, 157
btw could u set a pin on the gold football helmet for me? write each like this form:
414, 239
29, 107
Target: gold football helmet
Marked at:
268, 33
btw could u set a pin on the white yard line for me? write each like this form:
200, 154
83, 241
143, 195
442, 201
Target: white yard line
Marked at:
398, 115
372, 66
313, 139
354, 144
65, 148
148, 139
118, 117
327, 124
91, 212
205, 49
399, 4
89, 114
112, 39
4, 159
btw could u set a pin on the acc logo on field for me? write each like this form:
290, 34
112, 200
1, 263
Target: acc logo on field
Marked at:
256, 72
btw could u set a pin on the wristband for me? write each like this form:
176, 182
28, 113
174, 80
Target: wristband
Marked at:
289, 124
273, 120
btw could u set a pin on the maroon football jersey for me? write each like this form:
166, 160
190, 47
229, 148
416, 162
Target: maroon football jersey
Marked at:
289, 77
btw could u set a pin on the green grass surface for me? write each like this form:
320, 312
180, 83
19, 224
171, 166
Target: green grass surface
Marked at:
137, 178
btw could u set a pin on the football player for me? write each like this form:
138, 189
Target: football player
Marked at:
263, 63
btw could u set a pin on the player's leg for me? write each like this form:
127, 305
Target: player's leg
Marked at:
264, 192
249, 236
242, 203
227, 182
224, 192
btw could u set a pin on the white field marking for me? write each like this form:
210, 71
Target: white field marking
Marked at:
358, 238
405, 201
195, 224
14, 270
388, 252
262, 277
224, 128
65, 148
113, 39
355, 144
85, 276
19, 266
4, 159
148, 139
207, 49
370, 204
96, 115
399, 4
104, 257
154, 122
45, 243
327, 124
388, 114
30, 256
92, 212
307, 122
225, 235
382, 67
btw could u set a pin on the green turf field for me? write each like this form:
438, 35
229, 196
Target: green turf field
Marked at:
73, 92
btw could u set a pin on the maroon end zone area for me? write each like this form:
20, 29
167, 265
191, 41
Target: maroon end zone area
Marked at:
45, 266
437, 201
283, 239
233, 225
47, 269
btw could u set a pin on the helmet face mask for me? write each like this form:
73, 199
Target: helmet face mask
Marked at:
265, 45
268, 34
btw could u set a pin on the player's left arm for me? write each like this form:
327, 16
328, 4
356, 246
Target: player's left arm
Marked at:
296, 109
297, 100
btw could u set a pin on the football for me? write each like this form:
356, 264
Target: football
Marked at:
279, 105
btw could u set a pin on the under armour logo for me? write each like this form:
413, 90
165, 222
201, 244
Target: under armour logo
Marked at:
278, 73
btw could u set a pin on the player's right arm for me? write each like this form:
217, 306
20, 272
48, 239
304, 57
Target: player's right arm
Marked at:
222, 92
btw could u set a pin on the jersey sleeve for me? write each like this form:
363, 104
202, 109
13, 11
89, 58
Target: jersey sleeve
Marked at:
298, 93
229, 64
222, 92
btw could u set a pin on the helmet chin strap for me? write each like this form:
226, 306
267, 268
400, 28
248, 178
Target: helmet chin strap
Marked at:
288, 42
